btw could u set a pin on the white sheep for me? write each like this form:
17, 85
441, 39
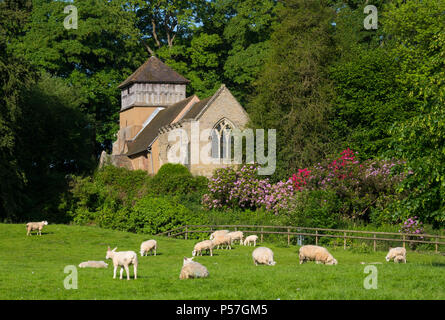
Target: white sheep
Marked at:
250, 239
202, 246
398, 259
191, 269
221, 240
236, 235
317, 254
123, 259
394, 252
93, 264
263, 255
148, 246
31, 226
217, 233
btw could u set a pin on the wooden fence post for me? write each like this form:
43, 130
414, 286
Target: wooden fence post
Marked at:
288, 237
375, 243
344, 241
404, 241
316, 237
262, 229
437, 246
186, 232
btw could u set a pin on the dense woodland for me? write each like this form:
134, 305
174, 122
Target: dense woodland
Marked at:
306, 68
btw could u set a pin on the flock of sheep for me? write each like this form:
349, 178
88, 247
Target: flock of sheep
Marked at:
220, 238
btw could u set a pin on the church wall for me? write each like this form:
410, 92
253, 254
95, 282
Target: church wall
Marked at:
225, 106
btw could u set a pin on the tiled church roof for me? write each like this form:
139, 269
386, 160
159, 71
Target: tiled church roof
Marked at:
154, 71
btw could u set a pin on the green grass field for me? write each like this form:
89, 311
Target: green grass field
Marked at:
33, 268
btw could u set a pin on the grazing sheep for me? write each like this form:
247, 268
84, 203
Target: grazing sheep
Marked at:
218, 233
93, 264
394, 252
149, 245
31, 226
250, 239
398, 259
236, 235
123, 259
191, 269
203, 246
263, 255
317, 254
222, 240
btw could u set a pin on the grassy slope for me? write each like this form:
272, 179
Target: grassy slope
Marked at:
32, 268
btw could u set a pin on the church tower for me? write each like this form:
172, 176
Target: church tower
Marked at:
153, 86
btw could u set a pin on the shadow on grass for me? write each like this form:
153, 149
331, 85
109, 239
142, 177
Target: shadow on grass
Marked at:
438, 264
151, 255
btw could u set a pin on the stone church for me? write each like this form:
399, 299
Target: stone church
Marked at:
154, 103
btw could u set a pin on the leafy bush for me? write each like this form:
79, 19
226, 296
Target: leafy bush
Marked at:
176, 179
315, 208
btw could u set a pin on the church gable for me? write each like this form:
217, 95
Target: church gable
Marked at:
223, 105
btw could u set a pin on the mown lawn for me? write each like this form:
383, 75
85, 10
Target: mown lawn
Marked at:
33, 268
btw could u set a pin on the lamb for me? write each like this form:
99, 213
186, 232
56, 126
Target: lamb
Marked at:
201, 246
398, 259
217, 233
30, 226
191, 269
236, 235
222, 240
250, 239
394, 252
93, 264
149, 245
123, 259
317, 254
263, 255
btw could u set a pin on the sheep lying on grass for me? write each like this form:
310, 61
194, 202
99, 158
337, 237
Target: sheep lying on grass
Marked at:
191, 269
317, 254
31, 226
203, 246
93, 264
221, 240
250, 239
263, 255
148, 246
236, 235
123, 259
218, 233
394, 252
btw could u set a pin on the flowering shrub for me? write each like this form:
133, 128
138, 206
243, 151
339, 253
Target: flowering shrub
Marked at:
359, 188
300, 179
412, 226
243, 188
362, 186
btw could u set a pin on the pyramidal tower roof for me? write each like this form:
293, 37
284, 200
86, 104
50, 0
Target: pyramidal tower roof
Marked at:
154, 71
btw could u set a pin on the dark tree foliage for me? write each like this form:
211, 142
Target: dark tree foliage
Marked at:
293, 93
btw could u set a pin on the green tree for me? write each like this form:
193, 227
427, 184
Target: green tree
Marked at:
96, 57
417, 30
368, 97
293, 92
